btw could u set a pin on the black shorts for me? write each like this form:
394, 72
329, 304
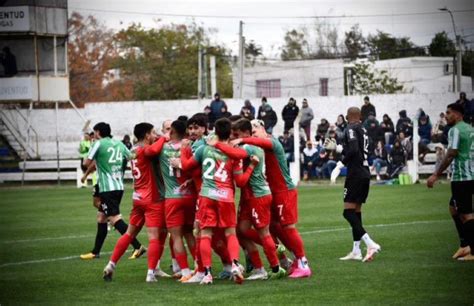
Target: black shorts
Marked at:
356, 190
95, 191
461, 196
110, 202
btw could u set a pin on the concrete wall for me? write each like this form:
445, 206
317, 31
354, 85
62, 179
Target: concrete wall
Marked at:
122, 116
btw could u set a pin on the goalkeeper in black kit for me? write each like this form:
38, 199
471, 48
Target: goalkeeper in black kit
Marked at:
356, 187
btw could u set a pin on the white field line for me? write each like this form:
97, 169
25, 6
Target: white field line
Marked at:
47, 238
326, 230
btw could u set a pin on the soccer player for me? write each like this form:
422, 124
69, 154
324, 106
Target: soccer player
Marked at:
146, 205
285, 196
461, 154
108, 155
216, 203
356, 187
255, 208
180, 200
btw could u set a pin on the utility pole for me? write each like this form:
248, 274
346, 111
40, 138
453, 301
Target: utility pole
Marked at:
241, 57
206, 87
212, 60
458, 49
199, 73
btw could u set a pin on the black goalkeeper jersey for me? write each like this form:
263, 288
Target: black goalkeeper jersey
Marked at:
355, 152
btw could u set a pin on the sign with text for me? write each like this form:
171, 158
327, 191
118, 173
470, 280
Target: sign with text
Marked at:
16, 89
14, 19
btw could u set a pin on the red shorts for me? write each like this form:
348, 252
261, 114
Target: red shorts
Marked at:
256, 210
150, 214
180, 212
213, 213
285, 207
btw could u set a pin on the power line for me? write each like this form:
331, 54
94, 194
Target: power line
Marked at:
262, 17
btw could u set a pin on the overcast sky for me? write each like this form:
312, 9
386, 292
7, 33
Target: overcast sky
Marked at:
263, 25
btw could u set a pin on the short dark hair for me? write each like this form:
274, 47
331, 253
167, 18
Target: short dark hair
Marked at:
264, 99
456, 107
242, 125
235, 118
366, 98
223, 128
199, 119
179, 126
183, 118
103, 129
141, 129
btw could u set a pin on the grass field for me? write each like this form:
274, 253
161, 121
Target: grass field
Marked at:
43, 230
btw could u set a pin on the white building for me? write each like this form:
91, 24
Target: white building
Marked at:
292, 79
422, 74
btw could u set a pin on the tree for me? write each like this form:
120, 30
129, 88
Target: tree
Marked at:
163, 62
296, 46
91, 52
441, 45
368, 80
252, 52
355, 42
385, 46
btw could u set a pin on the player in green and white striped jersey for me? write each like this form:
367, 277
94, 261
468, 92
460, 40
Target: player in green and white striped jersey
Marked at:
461, 155
108, 155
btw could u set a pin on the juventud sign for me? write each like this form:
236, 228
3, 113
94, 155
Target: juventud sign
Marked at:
16, 89
14, 19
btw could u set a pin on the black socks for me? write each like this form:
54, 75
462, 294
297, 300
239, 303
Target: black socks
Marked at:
357, 230
100, 237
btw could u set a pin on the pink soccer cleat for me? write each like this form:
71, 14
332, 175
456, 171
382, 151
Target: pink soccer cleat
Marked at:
301, 272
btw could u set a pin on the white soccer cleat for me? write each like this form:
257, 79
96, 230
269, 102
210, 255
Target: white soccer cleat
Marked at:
161, 273
258, 274
151, 278
207, 280
237, 273
196, 278
371, 251
108, 272
352, 256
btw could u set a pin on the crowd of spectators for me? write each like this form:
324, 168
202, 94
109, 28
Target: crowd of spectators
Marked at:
390, 145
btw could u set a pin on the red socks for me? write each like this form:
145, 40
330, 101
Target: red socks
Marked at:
295, 241
219, 246
233, 247
161, 244
255, 259
206, 253
200, 266
182, 259
120, 247
153, 252
270, 250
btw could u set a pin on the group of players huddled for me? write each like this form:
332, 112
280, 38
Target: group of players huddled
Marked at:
184, 185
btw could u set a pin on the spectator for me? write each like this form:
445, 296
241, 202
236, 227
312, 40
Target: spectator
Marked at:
267, 115
332, 159
404, 124
341, 125
306, 118
249, 106
373, 131
8, 60
225, 112
406, 144
437, 133
424, 129
323, 128
468, 108
388, 129
397, 159
440, 154
366, 109
380, 158
289, 114
310, 155
217, 106
320, 162
246, 113
126, 141
207, 112
288, 146
84, 147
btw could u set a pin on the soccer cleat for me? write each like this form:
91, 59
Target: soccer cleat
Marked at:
161, 273
301, 272
258, 274
371, 251
461, 252
177, 275
138, 253
286, 263
225, 275
293, 266
108, 272
237, 275
197, 278
352, 256
151, 278
206, 280
89, 256
468, 257
277, 275
184, 279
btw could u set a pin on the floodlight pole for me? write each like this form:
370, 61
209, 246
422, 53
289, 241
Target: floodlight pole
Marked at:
458, 49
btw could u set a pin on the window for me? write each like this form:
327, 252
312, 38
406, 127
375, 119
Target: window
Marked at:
323, 86
268, 88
